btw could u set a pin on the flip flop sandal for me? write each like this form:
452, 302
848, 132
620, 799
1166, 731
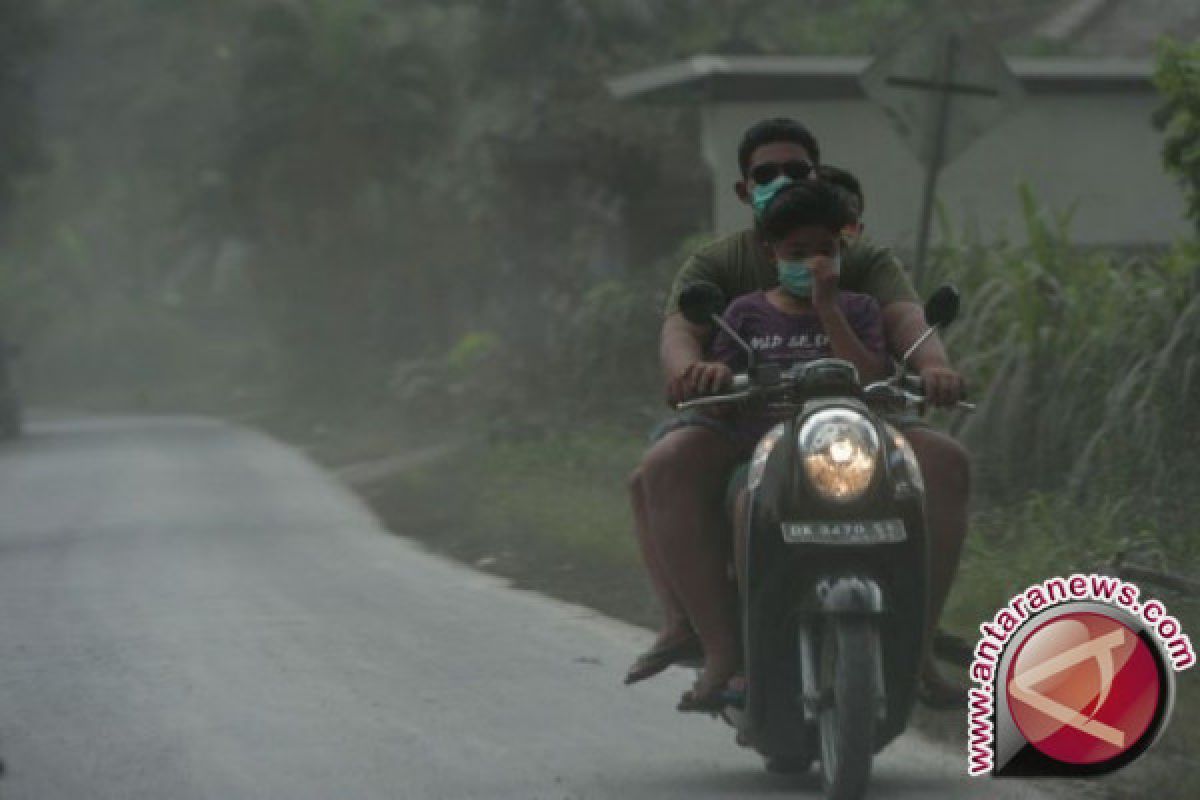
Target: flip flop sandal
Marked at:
952, 648
710, 703
943, 698
713, 701
655, 660
734, 698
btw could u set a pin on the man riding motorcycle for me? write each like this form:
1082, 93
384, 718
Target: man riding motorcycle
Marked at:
678, 488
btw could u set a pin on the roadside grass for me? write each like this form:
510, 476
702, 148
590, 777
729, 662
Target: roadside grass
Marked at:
550, 513
1014, 544
1083, 362
568, 489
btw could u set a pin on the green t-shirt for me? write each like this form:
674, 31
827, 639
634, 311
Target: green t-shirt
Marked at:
740, 264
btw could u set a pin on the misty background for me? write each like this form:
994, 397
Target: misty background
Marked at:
424, 236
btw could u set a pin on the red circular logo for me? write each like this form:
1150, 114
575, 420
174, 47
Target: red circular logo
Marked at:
1083, 688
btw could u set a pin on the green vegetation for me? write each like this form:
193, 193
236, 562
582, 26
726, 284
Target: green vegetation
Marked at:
1086, 361
334, 115
23, 34
1178, 78
549, 489
340, 190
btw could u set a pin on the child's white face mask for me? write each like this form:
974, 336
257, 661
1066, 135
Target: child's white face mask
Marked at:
796, 276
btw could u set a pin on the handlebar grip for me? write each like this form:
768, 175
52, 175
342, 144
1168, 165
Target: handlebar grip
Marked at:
915, 383
713, 399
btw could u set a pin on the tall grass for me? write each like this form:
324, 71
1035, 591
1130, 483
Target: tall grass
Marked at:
1084, 363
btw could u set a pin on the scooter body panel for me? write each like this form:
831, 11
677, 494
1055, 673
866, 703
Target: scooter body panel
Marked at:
790, 585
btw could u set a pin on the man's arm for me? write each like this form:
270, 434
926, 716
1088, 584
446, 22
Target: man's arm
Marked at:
683, 345
903, 324
880, 274
681, 349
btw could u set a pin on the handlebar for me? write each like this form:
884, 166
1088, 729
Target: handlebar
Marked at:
915, 383
911, 387
713, 400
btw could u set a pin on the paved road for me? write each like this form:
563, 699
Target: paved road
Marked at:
190, 610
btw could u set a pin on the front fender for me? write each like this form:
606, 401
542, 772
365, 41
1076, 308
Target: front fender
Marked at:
848, 594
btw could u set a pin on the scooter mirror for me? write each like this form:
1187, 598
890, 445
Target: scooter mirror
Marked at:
942, 306
699, 301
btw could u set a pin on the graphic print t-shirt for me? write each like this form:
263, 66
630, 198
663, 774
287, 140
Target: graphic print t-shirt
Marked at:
779, 337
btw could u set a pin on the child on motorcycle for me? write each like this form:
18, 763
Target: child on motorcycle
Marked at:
804, 318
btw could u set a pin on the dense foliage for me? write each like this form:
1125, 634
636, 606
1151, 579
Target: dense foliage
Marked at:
336, 114
1178, 78
1085, 362
338, 186
23, 33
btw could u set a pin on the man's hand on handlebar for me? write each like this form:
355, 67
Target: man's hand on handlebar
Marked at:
700, 378
943, 386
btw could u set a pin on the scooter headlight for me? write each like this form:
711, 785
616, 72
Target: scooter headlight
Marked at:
904, 452
758, 464
839, 448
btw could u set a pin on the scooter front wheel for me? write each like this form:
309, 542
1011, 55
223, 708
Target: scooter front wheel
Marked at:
789, 765
849, 702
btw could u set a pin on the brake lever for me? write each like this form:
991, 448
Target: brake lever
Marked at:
919, 401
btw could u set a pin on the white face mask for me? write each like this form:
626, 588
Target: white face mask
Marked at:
761, 196
796, 276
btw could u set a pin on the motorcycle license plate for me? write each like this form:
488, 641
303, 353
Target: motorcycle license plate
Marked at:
875, 531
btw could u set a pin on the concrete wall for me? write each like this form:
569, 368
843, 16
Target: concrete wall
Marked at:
1096, 153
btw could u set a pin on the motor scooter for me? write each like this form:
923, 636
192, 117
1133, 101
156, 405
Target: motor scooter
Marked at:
835, 590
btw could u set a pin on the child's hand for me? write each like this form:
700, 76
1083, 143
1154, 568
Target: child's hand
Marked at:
825, 281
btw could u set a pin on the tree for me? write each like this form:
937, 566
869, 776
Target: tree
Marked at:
335, 116
23, 33
1178, 78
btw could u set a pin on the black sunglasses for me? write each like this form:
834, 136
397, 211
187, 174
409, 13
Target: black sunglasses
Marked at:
796, 170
